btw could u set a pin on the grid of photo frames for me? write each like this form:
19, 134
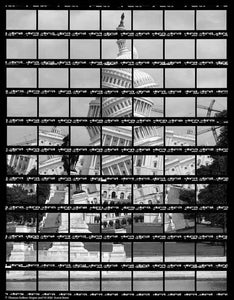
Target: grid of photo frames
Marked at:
116, 150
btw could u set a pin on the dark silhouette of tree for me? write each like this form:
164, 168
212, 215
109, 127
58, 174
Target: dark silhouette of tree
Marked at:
223, 135
43, 193
215, 194
17, 195
32, 172
219, 163
11, 171
188, 197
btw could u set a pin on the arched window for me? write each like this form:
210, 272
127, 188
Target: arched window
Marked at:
113, 195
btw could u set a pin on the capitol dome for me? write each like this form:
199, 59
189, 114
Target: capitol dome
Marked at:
121, 78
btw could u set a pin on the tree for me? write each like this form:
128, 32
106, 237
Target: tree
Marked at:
219, 162
43, 193
17, 195
223, 135
11, 171
214, 194
32, 172
188, 198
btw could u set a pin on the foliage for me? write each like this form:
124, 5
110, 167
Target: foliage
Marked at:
11, 171
32, 172
43, 193
219, 163
18, 196
187, 196
213, 194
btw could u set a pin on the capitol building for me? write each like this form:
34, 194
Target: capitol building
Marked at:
117, 136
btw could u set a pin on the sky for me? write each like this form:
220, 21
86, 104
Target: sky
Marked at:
88, 49
80, 136
142, 20
17, 134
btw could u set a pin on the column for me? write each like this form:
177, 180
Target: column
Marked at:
126, 168
120, 173
103, 139
110, 171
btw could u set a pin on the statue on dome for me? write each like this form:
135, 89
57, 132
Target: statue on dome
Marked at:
122, 20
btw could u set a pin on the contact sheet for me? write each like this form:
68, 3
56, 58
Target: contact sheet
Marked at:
117, 177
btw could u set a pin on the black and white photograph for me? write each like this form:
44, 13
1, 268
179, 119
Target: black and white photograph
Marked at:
116, 148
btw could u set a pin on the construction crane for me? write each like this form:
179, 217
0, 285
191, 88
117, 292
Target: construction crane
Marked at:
209, 108
208, 114
213, 129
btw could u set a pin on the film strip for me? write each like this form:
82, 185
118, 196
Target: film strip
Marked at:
116, 155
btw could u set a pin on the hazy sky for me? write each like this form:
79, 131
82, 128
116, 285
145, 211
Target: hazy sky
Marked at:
80, 136
88, 49
90, 78
19, 134
142, 20
180, 107
219, 105
58, 106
